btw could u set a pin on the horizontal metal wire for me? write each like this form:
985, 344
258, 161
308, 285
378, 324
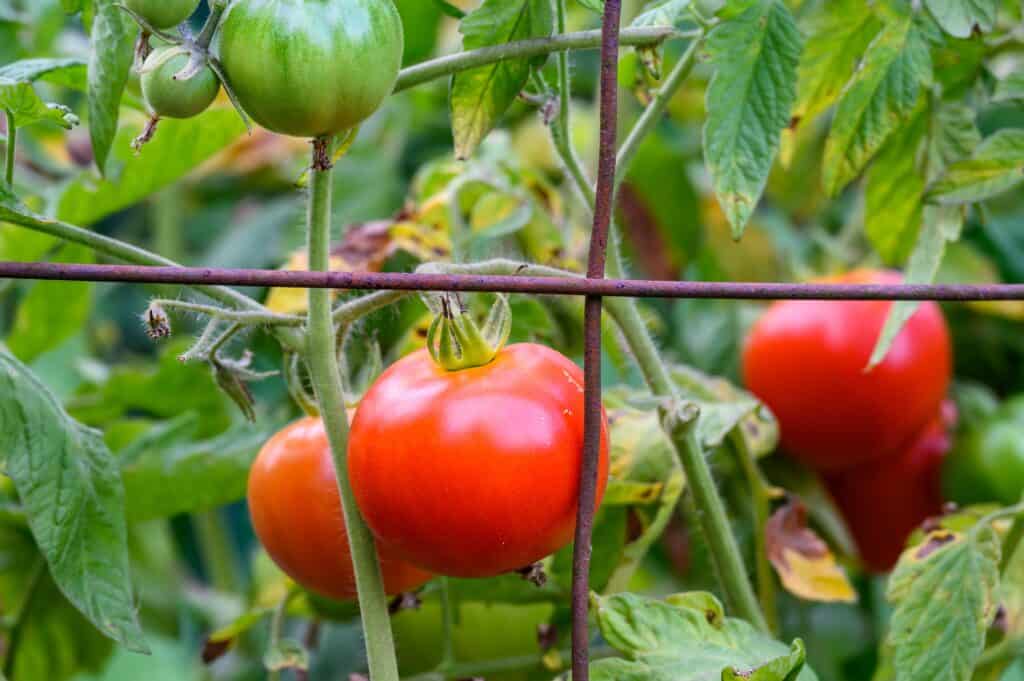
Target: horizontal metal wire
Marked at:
579, 286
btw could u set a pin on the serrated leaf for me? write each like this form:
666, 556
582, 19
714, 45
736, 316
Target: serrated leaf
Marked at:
879, 97
954, 136
894, 189
480, 96
663, 13
749, 101
960, 18
942, 225
20, 99
66, 72
110, 61
178, 148
996, 166
678, 640
838, 34
70, 487
1010, 88
944, 596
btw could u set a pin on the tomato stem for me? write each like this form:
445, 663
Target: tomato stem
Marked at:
12, 140
326, 380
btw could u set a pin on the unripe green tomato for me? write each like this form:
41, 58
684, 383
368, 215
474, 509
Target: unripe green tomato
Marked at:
176, 98
987, 463
163, 13
308, 68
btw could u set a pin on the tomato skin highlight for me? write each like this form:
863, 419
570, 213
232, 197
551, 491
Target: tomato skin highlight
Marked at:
308, 69
177, 98
885, 500
163, 13
806, 360
473, 473
296, 513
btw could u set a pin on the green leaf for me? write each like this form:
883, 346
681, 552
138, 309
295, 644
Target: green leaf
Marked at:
178, 148
69, 484
944, 596
996, 166
893, 191
593, 5
286, 654
942, 225
838, 34
20, 99
67, 72
749, 101
110, 61
191, 476
53, 311
480, 96
686, 639
880, 96
954, 137
960, 18
1010, 88
663, 13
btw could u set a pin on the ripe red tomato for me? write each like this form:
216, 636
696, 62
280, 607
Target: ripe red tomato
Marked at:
883, 501
473, 473
806, 360
296, 512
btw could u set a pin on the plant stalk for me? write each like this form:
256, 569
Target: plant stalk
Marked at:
326, 380
12, 141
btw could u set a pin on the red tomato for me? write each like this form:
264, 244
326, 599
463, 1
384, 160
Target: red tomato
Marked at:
883, 501
806, 360
473, 473
296, 512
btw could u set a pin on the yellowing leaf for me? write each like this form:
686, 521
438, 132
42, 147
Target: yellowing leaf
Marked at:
802, 560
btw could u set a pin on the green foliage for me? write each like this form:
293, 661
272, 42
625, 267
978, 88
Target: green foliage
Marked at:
749, 102
944, 594
686, 638
110, 59
480, 96
74, 499
996, 166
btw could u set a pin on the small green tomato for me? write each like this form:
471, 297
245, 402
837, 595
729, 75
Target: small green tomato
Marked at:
171, 98
163, 13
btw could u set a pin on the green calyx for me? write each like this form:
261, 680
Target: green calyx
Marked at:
455, 341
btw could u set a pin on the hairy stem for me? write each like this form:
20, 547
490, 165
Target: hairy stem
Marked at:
521, 49
248, 318
761, 496
210, 27
12, 141
326, 379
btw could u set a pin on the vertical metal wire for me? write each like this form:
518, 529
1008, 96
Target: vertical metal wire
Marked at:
592, 348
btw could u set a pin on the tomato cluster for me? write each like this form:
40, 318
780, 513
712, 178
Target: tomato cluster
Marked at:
877, 436
469, 473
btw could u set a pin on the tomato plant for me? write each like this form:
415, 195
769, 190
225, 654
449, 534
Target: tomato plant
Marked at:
311, 68
166, 95
494, 446
766, 477
296, 513
808, 360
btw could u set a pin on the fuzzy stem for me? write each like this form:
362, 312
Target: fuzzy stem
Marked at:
761, 496
323, 365
522, 49
248, 318
12, 139
210, 27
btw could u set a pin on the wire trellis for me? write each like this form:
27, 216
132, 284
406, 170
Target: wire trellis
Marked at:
593, 287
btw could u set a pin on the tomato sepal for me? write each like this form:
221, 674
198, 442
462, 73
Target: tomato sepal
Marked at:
456, 342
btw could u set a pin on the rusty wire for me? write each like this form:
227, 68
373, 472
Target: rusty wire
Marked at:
574, 286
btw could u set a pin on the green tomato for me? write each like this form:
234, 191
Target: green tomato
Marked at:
987, 463
176, 98
310, 67
163, 13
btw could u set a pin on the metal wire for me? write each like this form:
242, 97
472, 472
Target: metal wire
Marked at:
577, 286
